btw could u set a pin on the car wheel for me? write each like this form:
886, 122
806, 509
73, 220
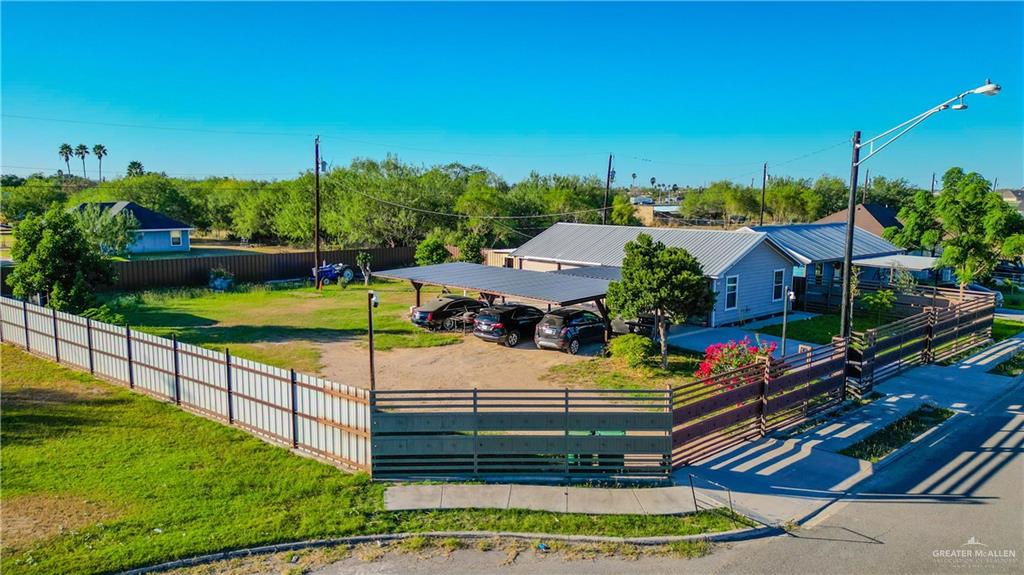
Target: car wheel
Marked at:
574, 346
512, 339
449, 324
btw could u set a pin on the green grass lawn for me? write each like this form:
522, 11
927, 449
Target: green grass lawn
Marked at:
98, 479
1012, 298
278, 326
1011, 367
1005, 328
884, 441
821, 328
612, 373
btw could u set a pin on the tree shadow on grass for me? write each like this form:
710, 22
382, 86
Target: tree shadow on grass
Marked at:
212, 335
34, 414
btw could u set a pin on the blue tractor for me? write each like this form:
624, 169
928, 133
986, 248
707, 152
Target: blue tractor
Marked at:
334, 273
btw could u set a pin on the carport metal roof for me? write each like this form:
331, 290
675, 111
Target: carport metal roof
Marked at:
559, 289
912, 263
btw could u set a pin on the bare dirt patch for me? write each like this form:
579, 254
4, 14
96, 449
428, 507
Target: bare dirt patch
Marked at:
29, 518
471, 363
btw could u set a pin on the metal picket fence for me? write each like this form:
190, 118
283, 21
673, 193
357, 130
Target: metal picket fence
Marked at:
304, 412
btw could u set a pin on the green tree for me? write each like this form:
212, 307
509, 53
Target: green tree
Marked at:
828, 196
893, 193
31, 197
55, 258
135, 169
979, 227
363, 261
110, 234
786, 199
432, 249
470, 246
81, 150
879, 303
668, 282
65, 152
921, 229
99, 150
623, 213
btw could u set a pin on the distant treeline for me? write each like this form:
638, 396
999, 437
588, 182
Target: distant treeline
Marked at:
391, 203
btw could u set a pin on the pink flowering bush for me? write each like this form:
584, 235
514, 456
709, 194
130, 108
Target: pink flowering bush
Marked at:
724, 357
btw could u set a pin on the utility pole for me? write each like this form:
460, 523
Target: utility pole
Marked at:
933, 183
867, 182
316, 225
764, 186
846, 311
607, 189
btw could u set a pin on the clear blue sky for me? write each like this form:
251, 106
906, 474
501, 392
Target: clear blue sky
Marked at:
701, 91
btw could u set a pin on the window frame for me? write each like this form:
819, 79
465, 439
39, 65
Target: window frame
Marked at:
819, 273
735, 293
781, 285
179, 237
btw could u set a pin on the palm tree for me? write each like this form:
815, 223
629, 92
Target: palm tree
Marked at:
99, 150
81, 150
135, 169
65, 153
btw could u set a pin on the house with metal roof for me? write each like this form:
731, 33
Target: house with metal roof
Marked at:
820, 248
748, 270
156, 232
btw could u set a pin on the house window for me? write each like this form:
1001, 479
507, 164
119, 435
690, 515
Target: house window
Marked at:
819, 271
732, 284
777, 285
175, 237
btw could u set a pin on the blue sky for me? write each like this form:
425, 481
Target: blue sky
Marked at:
687, 93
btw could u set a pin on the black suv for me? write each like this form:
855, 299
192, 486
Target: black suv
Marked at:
445, 312
506, 323
568, 328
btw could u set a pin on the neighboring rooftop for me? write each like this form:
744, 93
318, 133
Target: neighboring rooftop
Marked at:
809, 243
907, 262
602, 245
871, 217
148, 219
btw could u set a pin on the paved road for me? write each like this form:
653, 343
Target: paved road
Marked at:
963, 490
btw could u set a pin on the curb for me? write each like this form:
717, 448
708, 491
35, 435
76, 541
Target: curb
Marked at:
721, 537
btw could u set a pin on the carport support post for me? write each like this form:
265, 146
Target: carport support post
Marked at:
604, 316
417, 287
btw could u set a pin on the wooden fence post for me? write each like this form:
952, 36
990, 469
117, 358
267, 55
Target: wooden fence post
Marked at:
295, 411
88, 342
227, 374
128, 344
24, 318
765, 379
177, 372
56, 338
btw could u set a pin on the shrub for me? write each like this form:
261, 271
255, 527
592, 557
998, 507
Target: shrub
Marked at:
879, 302
432, 249
724, 357
636, 350
105, 314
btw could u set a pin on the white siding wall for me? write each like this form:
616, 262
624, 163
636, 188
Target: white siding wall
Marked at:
756, 273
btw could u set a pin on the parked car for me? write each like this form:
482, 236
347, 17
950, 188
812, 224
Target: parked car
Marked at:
447, 312
506, 324
978, 287
568, 328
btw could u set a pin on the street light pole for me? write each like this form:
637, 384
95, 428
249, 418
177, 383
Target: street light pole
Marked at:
607, 189
846, 311
316, 202
370, 304
785, 316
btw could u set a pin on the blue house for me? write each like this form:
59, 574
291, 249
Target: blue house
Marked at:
156, 232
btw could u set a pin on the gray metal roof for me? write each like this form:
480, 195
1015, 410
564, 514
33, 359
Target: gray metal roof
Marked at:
610, 273
591, 244
560, 289
911, 263
811, 243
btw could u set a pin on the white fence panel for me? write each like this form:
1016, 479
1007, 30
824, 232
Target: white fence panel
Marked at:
203, 380
333, 420
40, 330
262, 398
73, 339
153, 364
13, 321
110, 351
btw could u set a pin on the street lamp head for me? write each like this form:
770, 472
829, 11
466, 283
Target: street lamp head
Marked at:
989, 89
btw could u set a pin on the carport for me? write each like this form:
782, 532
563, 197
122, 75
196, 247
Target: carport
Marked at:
493, 282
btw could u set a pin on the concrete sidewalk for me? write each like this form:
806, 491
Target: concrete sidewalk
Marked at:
558, 499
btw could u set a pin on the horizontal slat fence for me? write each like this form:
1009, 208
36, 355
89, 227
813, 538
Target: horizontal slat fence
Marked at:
719, 412
256, 267
301, 411
574, 434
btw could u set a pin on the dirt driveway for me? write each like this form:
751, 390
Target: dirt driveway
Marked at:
471, 363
